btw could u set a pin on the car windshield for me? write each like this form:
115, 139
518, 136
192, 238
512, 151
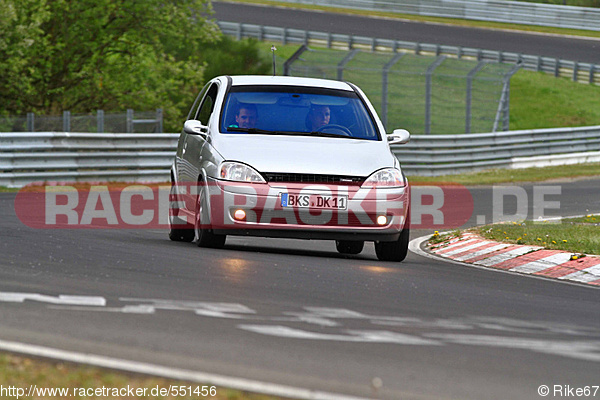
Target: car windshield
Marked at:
287, 110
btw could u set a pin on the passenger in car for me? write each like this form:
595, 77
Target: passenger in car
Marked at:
318, 117
246, 117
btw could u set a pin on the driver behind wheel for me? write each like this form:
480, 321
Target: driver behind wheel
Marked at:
318, 117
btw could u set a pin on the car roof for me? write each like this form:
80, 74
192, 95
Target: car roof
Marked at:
244, 80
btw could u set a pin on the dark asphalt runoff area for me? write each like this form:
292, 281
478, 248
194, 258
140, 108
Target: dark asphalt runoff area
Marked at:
566, 48
297, 313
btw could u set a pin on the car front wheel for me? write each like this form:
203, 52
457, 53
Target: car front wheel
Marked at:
204, 235
179, 230
393, 251
349, 246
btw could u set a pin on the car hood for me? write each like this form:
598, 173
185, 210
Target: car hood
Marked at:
306, 154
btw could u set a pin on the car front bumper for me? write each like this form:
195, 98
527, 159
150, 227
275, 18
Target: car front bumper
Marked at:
370, 214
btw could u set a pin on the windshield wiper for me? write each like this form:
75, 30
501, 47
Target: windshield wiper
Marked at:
334, 135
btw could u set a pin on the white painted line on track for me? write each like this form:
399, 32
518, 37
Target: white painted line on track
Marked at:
172, 373
12, 297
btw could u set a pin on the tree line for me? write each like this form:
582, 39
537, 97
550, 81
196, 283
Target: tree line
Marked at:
84, 55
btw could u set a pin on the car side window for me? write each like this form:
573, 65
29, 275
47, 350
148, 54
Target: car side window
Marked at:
207, 106
193, 110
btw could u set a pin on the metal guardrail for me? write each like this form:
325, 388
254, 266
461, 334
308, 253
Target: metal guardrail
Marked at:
514, 12
577, 71
433, 155
71, 157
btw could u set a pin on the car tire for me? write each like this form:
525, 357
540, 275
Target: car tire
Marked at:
203, 235
349, 246
181, 234
179, 230
393, 251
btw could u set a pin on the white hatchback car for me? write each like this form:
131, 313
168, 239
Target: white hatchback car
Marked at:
289, 157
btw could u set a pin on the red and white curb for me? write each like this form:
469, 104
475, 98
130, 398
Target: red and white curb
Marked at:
532, 260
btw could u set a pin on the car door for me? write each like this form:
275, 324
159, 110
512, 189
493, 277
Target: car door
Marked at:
191, 154
181, 174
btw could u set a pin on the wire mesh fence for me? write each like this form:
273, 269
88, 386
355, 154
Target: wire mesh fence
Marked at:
425, 94
128, 122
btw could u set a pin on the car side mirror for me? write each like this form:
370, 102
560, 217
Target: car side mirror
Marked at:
399, 136
195, 127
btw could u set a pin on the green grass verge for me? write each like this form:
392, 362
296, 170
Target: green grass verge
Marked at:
490, 177
588, 219
539, 100
23, 372
441, 20
575, 236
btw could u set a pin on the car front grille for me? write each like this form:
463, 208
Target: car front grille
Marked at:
303, 216
314, 178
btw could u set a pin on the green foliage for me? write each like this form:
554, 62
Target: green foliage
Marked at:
102, 54
231, 57
113, 54
20, 32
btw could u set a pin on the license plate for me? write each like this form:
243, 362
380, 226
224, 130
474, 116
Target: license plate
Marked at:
314, 201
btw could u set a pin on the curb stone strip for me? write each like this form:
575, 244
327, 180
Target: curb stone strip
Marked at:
489, 248
419, 247
502, 257
589, 275
572, 267
529, 258
544, 263
458, 244
469, 248
489, 258
532, 260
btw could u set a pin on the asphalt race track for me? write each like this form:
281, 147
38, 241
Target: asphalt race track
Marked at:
296, 313
567, 48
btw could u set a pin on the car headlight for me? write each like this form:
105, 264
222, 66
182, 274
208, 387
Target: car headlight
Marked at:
388, 177
235, 171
